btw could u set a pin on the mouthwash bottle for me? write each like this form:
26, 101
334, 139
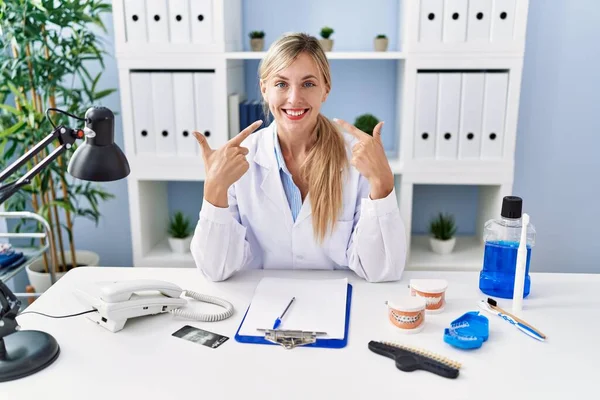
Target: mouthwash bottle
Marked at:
502, 237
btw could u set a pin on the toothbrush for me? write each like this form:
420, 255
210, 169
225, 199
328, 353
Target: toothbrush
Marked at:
518, 323
517, 304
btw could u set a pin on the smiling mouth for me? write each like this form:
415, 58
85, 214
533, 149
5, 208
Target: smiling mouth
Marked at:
296, 112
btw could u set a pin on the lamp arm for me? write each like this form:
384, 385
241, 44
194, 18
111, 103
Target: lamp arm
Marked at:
66, 136
30, 154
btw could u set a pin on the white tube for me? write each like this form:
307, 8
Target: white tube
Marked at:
517, 304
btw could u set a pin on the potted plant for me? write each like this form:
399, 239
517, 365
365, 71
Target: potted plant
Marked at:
180, 233
326, 42
257, 40
46, 48
381, 43
442, 229
366, 123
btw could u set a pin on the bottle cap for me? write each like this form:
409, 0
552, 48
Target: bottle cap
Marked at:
512, 207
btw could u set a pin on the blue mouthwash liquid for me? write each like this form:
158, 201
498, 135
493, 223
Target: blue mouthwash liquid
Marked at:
502, 237
497, 278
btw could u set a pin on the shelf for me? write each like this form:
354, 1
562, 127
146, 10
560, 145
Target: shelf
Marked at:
31, 254
333, 55
466, 172
161, 256
467, 255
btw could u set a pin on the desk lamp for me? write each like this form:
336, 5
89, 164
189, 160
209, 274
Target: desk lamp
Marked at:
26, 352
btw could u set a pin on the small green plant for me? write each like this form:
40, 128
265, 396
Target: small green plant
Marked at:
366, 123
179, 226
442, 227
256, 34
326, 32
381, 36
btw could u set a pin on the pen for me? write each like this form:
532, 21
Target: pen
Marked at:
278, 320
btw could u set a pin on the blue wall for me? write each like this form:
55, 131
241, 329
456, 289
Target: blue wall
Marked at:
556, 155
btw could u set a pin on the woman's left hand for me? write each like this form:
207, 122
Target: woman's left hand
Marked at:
368, 157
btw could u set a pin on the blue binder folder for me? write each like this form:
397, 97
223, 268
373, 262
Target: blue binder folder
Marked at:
320, 342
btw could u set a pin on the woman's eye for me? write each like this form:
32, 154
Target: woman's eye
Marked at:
309, 84
280, 84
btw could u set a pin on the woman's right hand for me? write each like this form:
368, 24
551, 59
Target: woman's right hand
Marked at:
224, 166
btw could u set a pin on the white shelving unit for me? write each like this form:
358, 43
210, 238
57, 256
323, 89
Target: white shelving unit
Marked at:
458, 87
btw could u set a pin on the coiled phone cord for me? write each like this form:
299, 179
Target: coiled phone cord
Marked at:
193, 315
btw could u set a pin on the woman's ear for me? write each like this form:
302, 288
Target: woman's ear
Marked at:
263, 89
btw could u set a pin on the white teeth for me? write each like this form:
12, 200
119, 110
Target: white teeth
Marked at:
432, 300
405, 319
294, 113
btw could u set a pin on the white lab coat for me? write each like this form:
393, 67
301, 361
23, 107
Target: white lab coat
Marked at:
257, 229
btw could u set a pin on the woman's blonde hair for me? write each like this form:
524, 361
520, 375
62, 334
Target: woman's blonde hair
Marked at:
327, 160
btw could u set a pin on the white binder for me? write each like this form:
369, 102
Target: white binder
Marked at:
179, 21
158, 21
496, 87
143, 124
480, 21
204, 93
425, 118
503, 20
455, 21
185, 121
164, 118
448, 116
471, 115
430, 21
135, 21
201, 20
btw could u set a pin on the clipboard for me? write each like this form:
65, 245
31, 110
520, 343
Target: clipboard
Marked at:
294, 338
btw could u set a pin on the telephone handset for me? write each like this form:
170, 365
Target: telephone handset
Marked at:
123, 290
117, 301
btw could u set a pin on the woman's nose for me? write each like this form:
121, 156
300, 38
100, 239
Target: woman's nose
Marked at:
294, 95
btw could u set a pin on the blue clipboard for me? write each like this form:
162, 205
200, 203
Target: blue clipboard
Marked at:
326, 343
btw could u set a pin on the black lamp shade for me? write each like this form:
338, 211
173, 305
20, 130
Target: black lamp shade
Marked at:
99, 158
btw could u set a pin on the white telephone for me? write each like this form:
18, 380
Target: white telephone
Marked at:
117, 301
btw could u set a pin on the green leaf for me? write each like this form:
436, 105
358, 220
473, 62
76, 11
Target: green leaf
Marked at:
12, 129
103, 93
10, 109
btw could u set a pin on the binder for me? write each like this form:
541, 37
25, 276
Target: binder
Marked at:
503, 20
201, 20
234, 113
471, 115
158, 24
430, 21
426, 115
455, 21
135, 21
164, 117
143, 124
448, 116
204, 95
320, 305
185, 122
480, 21
179, 21
496, 87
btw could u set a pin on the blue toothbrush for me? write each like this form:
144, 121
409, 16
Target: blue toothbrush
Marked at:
278, 320
491, 306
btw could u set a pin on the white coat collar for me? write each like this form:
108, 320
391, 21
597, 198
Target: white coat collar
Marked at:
271, 183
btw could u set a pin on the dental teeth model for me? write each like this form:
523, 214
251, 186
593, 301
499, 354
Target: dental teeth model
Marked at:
407, 314
433, 291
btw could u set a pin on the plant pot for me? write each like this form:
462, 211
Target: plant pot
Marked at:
40, 280
442, 246
326, 44
381, 44
257, 44
180, 246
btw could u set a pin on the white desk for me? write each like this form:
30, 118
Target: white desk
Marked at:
145, 361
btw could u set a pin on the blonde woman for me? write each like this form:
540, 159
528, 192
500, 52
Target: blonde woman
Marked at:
300, 193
